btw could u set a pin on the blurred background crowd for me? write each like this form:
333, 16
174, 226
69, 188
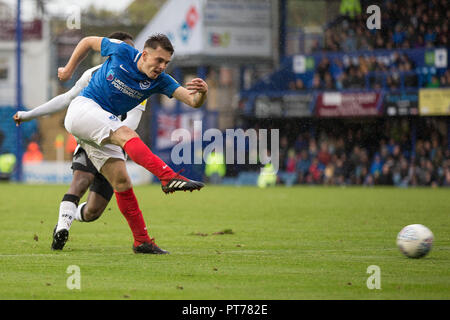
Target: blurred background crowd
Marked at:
344, 159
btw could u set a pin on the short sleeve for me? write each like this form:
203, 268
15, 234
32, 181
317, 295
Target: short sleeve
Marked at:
113, 46
168, 85
141, 106
86, 77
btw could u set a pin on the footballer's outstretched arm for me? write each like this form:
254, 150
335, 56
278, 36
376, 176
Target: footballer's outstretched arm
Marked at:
58, 103
81, 51
194, 94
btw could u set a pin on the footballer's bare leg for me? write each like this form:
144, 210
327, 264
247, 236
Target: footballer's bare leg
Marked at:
129, 140
100, 193
116, 172
80, 183
95, 206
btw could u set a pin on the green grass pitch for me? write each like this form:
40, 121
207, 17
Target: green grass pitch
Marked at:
285, 243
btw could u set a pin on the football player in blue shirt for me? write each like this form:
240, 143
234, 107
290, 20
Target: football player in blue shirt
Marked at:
127, 78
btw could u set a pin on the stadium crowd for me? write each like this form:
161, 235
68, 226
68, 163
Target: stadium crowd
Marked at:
370, 72
416, 24
334, 159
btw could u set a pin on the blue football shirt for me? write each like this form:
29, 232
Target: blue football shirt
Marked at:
118, 86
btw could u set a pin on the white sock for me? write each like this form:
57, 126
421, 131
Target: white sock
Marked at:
77, 215
67, 211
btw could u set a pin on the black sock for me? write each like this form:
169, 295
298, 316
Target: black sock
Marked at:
71, 198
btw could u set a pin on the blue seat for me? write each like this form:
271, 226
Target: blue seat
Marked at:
8, 128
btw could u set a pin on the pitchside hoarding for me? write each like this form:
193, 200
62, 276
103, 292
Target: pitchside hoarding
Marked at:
355, 104
401, 104
434, 102
298, 105
54, 172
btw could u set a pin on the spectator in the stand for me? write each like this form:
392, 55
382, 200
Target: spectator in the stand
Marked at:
315, 47
329, 83
289, 176
392, 82
283, 153
434, 82
443, 81
362, 168
446, 182
399, 35
410, 78
349, 44
379, 42
297, 84
369, 180
430, 37
291, 161
323, 68
33, 154
385, 177
316, 82
331, 41
355, 161
432, 173
437, 157
337, 71
315, 172
339, 146
301, 143
422, 172
313, 148
339, 170
324, 156
377, 165
412, 174
303, 165
328, 173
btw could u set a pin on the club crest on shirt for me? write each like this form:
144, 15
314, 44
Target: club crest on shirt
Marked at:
110, 75
144, 84
113, 118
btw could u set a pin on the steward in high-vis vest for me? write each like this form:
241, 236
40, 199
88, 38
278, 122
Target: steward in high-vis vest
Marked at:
268, 176
7, 164
215, 168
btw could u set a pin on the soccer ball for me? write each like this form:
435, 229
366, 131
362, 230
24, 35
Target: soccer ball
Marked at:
415, 241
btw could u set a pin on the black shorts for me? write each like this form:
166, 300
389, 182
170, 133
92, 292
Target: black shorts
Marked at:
81, 162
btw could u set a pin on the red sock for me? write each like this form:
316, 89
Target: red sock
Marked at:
142, 155
128, 205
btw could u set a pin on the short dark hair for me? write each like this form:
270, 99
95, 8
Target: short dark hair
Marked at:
120, 35
159, 40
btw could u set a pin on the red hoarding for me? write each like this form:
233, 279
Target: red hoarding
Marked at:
354, 104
